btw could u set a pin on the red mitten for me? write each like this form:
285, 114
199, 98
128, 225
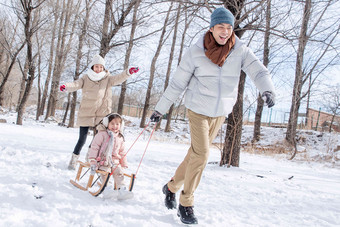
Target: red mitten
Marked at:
62, 87
133, 70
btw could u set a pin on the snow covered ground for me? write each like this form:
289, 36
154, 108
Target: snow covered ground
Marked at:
263, 191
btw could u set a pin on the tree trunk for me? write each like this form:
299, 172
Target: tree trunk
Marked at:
296, 99
67, 108
186, 26
78, 59
105, 41
168, 118
117, 24
231, 149
39, 88
331, 124
260, 102
8, 72
23, 83
308, 99
168, 72
61, 55
258, 116
153, 69
127, 58
57, 63
50, 62
27, 9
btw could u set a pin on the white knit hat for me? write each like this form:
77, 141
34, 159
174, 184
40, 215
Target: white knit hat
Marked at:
97, 60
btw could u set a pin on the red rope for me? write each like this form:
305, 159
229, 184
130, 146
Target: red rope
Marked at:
132, 146
146, 148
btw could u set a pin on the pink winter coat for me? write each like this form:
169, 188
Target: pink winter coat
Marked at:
98, 150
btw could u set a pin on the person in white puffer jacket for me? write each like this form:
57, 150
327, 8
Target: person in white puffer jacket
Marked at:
209, 73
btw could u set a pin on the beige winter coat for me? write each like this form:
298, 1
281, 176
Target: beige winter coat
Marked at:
96, 100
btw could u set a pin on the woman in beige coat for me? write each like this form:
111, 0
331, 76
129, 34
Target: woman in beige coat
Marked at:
96, 100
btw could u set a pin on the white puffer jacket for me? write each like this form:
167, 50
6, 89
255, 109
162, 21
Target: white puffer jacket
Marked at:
212, 90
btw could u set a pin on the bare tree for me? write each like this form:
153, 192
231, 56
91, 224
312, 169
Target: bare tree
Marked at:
79, 56
305, 69
153, 68
127, 56
39, 65
31, 24
291, 129
332, 104
10, 48
111, 24
189, 17
260, 102
24, 71
8, 71
41, 108
168, 72
232, 144
62, 51
187, 21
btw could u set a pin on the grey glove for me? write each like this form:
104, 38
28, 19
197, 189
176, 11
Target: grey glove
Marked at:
269, 98
156, 116
93, 169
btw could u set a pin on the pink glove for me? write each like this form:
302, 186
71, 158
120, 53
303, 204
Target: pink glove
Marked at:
133, 70
62, 87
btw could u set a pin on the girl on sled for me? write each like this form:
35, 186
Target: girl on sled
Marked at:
107, 153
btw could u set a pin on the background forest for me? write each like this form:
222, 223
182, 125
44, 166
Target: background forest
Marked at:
46, 42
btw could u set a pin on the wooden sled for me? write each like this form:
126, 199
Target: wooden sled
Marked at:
97, 186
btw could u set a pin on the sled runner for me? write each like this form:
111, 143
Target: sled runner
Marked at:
97, 186
96, 183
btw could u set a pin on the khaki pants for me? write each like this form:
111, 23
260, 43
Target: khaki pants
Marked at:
203, 130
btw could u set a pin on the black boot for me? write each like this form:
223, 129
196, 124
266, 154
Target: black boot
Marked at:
170, 198
187, 214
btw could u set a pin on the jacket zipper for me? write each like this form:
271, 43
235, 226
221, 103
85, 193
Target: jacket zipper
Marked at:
219, 81
219, 89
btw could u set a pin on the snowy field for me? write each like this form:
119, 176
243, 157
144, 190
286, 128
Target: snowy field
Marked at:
263, 191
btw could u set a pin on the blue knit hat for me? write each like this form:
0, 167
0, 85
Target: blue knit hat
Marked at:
221, 15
